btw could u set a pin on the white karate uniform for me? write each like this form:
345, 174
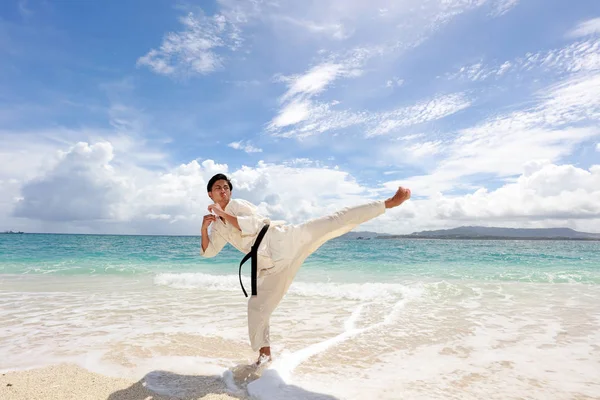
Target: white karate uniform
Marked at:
281, 252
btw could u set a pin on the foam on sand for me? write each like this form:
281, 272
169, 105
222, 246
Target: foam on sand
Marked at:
367, 291
277, 381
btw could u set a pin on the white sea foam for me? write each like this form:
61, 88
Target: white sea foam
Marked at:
368, 291
277, 381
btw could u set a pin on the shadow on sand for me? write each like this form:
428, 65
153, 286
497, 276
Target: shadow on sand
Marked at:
163, 385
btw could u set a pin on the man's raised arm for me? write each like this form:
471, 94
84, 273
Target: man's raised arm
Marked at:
211, 244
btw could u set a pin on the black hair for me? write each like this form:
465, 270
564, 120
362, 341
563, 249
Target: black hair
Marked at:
215, 178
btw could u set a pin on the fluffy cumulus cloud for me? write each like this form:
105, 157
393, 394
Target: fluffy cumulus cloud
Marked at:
82, 186
100, 197
89, 184
544, 191
543, 195
296, 191
86, 186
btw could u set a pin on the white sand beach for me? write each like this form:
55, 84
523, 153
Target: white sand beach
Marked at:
71, 382
111, 338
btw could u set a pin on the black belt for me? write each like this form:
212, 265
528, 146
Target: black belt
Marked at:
254, 254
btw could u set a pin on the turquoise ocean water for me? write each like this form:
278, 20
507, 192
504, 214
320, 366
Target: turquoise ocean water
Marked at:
381, 260
421, 318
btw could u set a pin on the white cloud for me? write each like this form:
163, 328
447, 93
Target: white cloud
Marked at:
473, 72
334, 30
503, 68
577, 57
307, 118
302, 162
199, 47
194, 49
314, 81
425, 148
566, 115
82, 186
24, 155
91, 188
292, 114
411, 136
597, 146
395, 82
543, 191
33, 170
582, 56
543, 195
88, 186
430, 110
297, 103
586, 28
501, 7
301, 115
245, 146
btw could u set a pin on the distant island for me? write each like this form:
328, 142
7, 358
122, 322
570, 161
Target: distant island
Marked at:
483, 233
11, 233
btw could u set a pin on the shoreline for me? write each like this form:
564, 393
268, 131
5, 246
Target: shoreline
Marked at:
68, 381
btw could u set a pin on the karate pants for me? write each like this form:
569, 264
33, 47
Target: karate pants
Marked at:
304, 239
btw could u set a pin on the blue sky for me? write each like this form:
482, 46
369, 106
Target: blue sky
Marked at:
113, 116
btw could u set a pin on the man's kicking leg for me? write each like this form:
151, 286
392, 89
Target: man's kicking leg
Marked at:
314, 233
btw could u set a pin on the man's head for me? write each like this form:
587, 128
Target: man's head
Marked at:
219, 188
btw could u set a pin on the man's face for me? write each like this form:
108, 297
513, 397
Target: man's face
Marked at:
220, 191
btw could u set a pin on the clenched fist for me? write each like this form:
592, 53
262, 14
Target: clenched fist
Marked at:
208, 219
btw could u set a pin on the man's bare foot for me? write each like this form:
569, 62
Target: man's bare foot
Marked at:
400, 197
264, 355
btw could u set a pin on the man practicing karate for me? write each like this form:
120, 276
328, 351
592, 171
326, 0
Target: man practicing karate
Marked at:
282, 248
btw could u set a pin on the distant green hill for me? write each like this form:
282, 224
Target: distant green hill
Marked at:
481, 232
363, 235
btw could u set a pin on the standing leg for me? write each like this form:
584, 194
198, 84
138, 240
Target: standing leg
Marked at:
271, 290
